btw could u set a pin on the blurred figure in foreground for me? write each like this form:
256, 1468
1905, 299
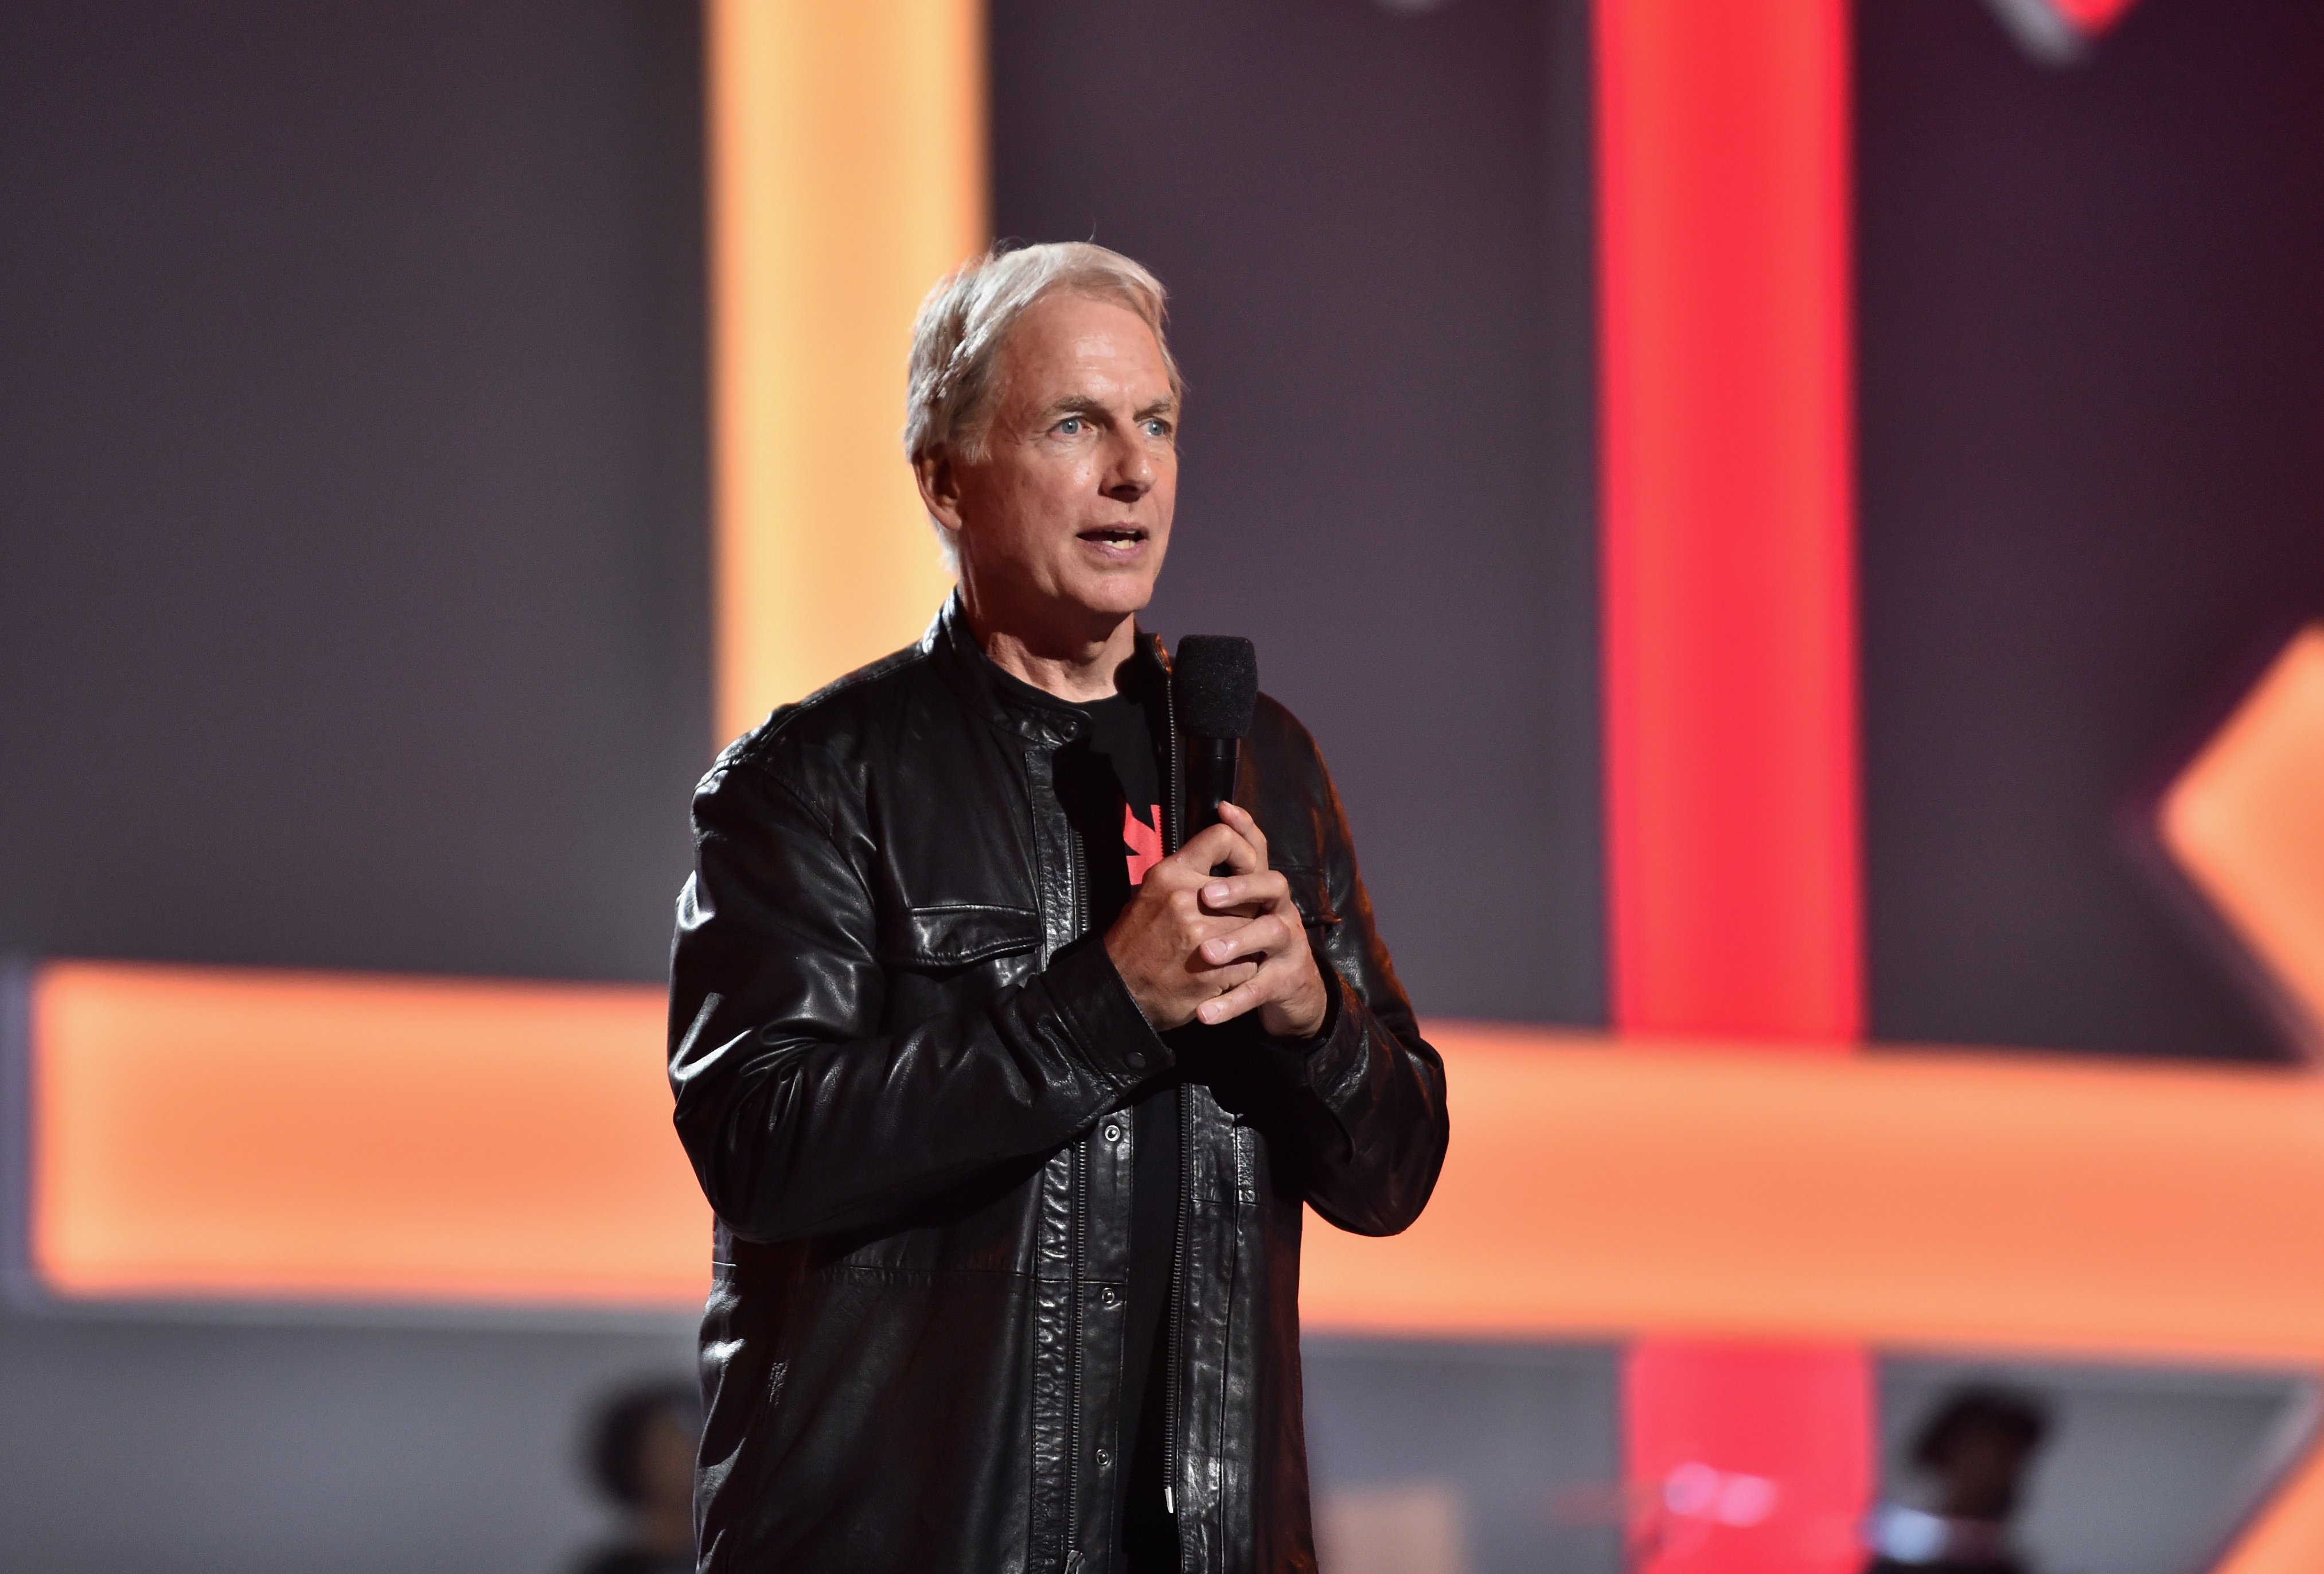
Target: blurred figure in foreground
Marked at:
1979, 1447
640, 1458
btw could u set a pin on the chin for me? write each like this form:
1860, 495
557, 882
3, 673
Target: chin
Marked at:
1115, 595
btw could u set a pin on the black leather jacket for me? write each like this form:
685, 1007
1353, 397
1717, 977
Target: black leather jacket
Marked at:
902, 1072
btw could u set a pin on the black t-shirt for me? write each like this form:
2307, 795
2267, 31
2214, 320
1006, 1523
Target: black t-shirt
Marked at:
1111, 784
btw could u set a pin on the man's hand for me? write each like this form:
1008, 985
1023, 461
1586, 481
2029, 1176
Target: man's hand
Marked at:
1287, 987
1155, 943
1192, 948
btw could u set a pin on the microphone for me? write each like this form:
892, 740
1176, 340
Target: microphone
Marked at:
1215, 685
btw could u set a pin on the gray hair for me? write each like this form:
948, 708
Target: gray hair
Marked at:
957, 337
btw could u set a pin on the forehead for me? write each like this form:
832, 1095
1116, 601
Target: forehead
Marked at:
1069, 344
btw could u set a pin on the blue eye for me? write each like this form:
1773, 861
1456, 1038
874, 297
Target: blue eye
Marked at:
1071, 426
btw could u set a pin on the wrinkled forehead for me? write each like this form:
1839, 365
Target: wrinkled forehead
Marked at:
1078, 344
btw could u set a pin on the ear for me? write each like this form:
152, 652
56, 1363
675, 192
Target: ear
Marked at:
939, 482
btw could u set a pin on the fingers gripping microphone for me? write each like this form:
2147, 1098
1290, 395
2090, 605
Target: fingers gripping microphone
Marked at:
1215, 681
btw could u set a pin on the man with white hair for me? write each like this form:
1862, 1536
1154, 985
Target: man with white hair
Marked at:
1007, 1104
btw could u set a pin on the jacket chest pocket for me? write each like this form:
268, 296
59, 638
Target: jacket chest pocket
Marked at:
939, 957
952, 941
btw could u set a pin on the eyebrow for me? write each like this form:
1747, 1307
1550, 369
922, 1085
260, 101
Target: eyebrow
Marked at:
1084, 404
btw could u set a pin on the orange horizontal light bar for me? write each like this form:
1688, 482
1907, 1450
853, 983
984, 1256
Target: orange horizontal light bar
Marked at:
215, 1133
204, 1132
1901, 1199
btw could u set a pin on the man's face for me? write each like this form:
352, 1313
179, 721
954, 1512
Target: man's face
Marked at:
1063, 521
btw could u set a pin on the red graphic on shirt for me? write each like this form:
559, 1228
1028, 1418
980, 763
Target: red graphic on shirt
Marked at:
1143, 842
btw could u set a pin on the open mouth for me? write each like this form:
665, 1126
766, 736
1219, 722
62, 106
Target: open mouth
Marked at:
1115, 535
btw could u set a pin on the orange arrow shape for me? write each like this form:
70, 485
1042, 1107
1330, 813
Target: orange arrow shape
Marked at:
2245, 821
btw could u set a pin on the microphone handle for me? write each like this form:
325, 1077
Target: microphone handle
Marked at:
1211, 767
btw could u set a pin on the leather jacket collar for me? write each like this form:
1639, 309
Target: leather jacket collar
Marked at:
953, 649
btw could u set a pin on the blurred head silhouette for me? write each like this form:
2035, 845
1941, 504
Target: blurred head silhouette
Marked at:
1979, 1446
1976, 1449
640, 1458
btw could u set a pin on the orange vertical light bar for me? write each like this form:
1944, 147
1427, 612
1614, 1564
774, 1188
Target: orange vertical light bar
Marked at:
1729, 677
847, 171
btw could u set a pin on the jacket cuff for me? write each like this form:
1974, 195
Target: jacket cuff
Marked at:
1112, 1033
1321, 1060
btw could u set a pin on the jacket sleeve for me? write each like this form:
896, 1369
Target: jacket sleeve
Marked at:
799, 1117
1367, 1095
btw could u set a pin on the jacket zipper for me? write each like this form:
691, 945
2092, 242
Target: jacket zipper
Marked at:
1081, 896
1073, 1384
1080, 1184
1173, 1323
1176, 810
1175, 1329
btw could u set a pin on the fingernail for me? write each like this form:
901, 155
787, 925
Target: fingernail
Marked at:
1207, 1012
1214, 893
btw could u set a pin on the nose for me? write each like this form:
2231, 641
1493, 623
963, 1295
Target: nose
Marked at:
1131, 474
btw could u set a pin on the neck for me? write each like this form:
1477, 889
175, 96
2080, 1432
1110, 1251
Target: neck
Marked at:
1076, 667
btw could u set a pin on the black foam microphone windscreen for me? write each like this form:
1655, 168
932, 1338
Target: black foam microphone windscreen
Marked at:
1217, 679
1214, 681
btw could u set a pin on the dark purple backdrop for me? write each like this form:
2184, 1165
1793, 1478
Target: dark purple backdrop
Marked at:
1376, 230
353, 601
2092, 353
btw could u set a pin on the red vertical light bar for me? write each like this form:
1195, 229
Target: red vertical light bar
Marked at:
1729, 633
1729, 677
